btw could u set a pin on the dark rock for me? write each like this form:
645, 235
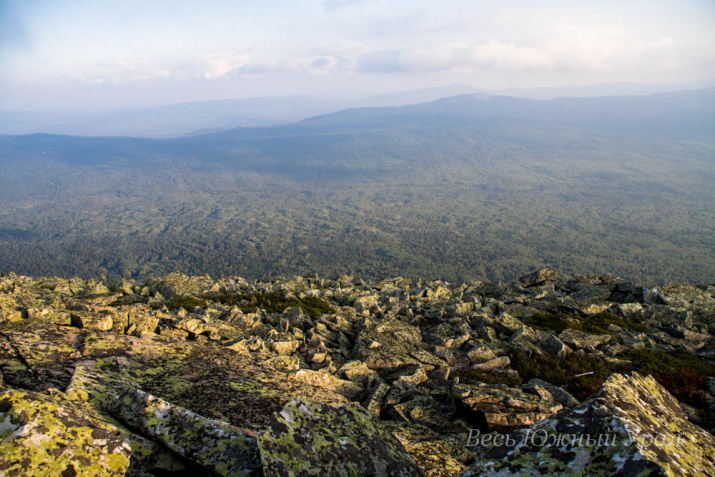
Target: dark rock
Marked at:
539, 277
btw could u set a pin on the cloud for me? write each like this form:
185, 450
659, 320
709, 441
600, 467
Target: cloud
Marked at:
570, 47
493, 54
333, 5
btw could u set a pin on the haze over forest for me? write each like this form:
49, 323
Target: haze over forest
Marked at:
370, 137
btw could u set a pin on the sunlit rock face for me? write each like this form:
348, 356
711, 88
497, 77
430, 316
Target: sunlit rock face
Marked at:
630, 426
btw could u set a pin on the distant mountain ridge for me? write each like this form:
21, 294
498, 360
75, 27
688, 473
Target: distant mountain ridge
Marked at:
192, 118
199, 117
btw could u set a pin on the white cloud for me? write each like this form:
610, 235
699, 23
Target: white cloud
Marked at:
333, 5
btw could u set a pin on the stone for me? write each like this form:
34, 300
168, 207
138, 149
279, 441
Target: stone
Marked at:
400, 345
99, 320
376, 399
42, 435
635, 428
480, 354
540, 277
357, 372
556, 393
348, 389
177, 284
285, 347
577, 339
313, 439
507, 323
503, 407
492, 364
212, 445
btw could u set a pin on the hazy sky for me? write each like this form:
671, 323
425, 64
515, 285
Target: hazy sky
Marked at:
97, 54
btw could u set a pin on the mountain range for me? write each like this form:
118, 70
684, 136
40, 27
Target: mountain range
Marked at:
467, 186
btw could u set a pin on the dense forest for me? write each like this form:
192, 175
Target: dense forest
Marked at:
466, 188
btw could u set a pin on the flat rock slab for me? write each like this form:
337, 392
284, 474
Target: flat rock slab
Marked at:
313, 439
215, 446
42, 435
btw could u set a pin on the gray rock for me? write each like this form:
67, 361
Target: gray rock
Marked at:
630, 426
503, 407
496, 363
212, 445
313, 439
539, 277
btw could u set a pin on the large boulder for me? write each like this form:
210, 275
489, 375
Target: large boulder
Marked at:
214, 446
313, 439
41, 435
177, 284
630, 426
390, 345
539, 277
502, 407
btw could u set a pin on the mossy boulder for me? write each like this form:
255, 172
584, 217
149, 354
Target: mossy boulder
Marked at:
312, 439
43, 434
631, 426
214, 446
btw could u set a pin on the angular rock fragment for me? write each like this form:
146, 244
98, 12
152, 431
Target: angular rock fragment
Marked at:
39, 435
539, 277
503, 407
313, 439
212, 445
348, 389
630, 426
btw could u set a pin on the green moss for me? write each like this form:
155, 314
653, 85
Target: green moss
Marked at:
187, 303
563, 371
598, 324
681, 373
275, 303
553, 322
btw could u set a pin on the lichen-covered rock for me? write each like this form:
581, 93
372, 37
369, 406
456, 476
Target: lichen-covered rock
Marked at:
559, 395
540, 276
390, 344
41, 435
312, 439
631, 426
177, 284
503, 407
348, 389
212, 445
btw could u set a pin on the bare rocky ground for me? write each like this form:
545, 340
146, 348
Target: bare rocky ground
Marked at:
309, 376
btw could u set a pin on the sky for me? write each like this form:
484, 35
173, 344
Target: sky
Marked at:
110, 54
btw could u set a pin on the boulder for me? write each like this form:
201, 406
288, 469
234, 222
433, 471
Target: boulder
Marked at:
313, 439
327, 381
41, 435
390, 345
539, 277
503, 407
177, 284
213, 446
492, 364
556, 393
577, 339
630, 426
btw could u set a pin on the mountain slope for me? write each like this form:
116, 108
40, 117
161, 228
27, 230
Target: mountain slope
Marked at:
465, 187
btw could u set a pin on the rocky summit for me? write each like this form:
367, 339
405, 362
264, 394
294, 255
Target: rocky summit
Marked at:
308, 376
